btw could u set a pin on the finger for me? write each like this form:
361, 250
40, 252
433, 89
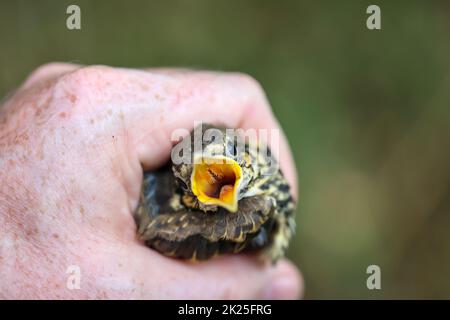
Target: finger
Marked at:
253, 119
239, 102
226, 277
234, 100
242, 277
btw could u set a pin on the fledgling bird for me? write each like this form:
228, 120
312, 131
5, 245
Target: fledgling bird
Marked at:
225, 197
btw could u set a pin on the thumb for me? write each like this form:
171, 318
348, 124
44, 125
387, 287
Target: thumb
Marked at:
244, 278
224, 277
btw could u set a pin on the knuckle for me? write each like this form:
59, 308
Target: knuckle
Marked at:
249, 89
88, 77
247, 82
84, 86
46, 70
48, 67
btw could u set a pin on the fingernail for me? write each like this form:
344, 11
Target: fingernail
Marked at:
282, 288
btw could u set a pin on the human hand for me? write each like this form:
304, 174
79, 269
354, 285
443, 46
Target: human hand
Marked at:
73, 142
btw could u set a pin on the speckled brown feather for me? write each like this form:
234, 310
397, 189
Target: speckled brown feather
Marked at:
180, 232
214, 226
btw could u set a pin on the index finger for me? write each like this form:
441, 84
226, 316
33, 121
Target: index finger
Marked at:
232, 99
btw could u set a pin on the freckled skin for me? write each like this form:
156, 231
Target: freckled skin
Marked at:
73, 141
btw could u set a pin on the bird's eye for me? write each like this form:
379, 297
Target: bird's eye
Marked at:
235, 152
232, 148
182, 184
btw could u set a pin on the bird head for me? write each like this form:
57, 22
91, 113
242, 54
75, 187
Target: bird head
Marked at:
216, 174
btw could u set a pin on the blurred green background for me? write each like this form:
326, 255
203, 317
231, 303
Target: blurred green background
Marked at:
366, 112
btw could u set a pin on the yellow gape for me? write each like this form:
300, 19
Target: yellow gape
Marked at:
215, 181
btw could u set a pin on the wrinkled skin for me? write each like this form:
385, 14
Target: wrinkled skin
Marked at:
73, 141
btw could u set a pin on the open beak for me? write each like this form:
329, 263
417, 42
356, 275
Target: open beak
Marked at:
215, 181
